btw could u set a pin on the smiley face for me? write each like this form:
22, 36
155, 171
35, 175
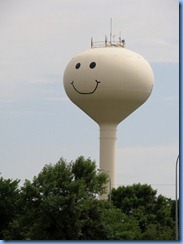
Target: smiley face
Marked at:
93, 86
108, 83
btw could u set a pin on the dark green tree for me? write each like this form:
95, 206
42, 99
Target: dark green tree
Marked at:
120, 225
153, 213
9, 196
60, 203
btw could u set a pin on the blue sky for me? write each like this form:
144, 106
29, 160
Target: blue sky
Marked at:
39, 124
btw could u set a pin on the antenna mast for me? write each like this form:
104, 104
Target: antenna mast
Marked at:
111, 32
112, 42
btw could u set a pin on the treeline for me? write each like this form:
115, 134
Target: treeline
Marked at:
62, 203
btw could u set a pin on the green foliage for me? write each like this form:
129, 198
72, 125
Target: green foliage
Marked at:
61, 203
121, 226
85, 171
154, 214
132, 197
9, 196
56, 203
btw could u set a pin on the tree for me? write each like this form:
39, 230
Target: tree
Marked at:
9, 196
121, 226
153, 213
60, 203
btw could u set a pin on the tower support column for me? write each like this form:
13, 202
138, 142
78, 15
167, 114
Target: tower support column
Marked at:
108, 153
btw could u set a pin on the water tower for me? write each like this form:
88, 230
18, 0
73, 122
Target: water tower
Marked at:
108, 82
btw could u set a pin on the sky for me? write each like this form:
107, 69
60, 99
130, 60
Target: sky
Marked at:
38, 122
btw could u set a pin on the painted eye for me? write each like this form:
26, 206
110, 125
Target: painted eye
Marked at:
92, 65
77, 65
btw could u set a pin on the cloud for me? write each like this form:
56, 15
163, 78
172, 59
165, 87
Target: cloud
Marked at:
159, 51
37, 36
58, 99
148, 164
171, 99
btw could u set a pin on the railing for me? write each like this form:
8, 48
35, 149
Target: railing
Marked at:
119, 43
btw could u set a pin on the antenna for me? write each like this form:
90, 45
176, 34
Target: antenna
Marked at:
105, 40
120, 38
111, 31
112, 41
91, 42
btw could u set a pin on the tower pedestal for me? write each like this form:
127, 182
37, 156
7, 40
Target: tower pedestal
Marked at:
108, 154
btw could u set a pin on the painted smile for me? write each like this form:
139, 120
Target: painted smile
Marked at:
97, 83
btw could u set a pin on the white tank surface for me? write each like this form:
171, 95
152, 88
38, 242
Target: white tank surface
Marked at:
108, 83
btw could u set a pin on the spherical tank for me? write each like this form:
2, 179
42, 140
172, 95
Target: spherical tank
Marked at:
108, 83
